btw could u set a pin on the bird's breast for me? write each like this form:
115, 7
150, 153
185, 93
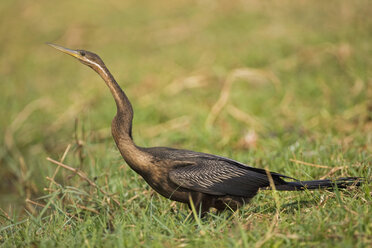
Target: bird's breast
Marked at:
158, 179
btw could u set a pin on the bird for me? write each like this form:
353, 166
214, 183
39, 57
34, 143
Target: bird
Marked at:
200, 180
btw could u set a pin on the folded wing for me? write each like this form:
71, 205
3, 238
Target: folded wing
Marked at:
221, 177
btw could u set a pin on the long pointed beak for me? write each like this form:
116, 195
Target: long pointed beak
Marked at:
71, 52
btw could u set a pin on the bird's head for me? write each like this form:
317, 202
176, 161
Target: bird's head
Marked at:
85, 57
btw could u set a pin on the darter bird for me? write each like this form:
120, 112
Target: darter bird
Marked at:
205, 180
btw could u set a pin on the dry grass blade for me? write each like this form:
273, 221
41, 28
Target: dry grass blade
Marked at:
221, 102
249, 74
174, 124
71, 113
83, 176
80, 173
310, 164
244, 117
5, 214
271, 232
52, 181
43, 206
273, 188
131, 199
87, 209
35, 203
333, 171
57, 169
190, 82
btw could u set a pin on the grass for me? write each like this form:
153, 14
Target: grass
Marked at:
285, 86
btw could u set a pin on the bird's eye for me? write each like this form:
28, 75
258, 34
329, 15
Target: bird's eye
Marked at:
82, 53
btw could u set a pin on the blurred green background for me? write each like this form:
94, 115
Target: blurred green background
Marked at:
301, 73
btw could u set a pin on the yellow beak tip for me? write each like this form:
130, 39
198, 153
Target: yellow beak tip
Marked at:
65, 50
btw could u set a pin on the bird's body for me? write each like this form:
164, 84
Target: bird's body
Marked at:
182, 175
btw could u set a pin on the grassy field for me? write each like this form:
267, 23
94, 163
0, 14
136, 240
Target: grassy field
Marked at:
285, 85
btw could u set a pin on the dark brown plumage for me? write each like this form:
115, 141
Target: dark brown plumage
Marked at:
181, 175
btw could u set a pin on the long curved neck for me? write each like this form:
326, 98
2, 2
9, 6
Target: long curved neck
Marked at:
124, 115
121, 127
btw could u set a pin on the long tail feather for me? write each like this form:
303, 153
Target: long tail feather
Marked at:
320, 184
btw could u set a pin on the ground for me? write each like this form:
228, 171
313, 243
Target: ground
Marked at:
279, 85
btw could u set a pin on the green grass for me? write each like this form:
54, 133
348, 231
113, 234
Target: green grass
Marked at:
301, 90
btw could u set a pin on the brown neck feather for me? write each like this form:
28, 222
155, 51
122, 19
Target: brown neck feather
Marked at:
122, 125
124, 114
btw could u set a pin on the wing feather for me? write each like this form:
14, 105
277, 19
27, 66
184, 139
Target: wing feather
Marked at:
219, 178
213, 174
